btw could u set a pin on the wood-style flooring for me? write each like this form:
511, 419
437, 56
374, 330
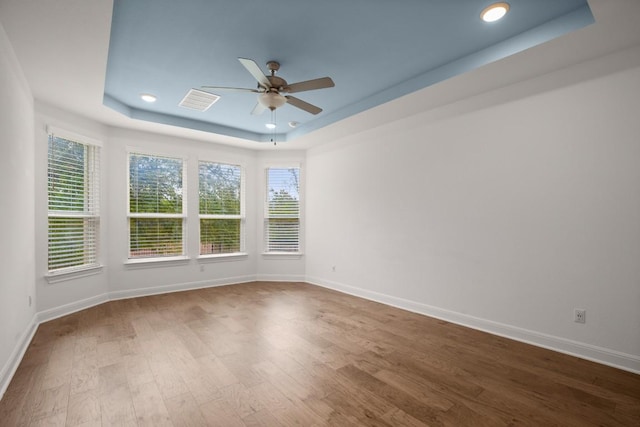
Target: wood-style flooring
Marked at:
293, 354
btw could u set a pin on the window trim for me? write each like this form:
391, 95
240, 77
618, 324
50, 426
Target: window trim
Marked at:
62, 276
235, 256
184, 256
241, 253
73, 272
150, 261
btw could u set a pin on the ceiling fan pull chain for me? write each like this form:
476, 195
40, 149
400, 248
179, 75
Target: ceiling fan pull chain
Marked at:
273, 130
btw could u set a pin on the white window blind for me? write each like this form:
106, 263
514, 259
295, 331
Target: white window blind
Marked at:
73, 178
282, 210
221, 208
156, 212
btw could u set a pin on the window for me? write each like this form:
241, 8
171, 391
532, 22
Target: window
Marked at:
221, 208
73, 191
156, 206
282, 210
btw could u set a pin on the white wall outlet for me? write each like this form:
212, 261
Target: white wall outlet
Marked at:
579, 315
201, 268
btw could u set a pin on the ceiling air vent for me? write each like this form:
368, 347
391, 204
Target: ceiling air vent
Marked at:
198, 100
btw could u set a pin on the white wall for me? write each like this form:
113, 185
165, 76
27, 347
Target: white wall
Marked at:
17, 263
504, 212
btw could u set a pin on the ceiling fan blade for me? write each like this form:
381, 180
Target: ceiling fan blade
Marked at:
255, 71
230, 89
320, 83
309, 108
258, 109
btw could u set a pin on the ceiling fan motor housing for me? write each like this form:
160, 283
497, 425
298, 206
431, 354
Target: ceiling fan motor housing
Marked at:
277, 82
272, 100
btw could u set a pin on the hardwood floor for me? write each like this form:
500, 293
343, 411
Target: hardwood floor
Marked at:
285, 354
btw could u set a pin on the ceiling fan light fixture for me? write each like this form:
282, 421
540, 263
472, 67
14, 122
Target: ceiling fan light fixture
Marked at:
270, 125
494, 12
272, 100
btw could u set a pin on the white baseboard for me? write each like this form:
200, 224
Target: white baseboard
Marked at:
627, 362
9, 368
187, 286
64, 310
280, 278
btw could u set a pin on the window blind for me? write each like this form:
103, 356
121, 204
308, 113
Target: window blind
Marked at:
221, 218
282, 210
156, 213
73, 204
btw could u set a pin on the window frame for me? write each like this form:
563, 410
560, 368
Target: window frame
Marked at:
91, 213
242, 216
183, 215
266, 253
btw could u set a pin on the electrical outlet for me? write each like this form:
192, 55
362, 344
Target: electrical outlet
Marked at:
29, 300
333, 268
201, 268
579, 315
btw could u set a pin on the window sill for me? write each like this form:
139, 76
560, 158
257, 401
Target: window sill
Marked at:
156, 262
282, 255
62, 275
236, 256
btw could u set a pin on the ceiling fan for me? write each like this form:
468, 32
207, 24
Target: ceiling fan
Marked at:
271, 88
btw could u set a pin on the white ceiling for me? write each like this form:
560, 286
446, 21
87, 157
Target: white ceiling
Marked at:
62, 46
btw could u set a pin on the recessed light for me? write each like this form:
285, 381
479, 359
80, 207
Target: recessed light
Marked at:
147, 97
293, 124
494, 12
270, 125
